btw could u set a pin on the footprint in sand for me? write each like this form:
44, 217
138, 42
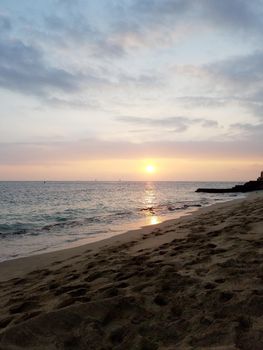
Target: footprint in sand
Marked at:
23, 307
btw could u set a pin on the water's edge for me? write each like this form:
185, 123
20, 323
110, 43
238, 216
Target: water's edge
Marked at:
37, 218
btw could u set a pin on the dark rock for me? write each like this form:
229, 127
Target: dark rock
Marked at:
246, 187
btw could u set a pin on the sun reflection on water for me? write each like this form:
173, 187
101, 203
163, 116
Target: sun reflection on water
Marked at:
149, 202
149, 194
154, 220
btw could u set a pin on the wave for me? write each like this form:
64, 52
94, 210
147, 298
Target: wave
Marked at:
59, 223
15, 228
163, 208
75, 219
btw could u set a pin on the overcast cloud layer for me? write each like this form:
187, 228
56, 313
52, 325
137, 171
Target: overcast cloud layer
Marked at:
146, 76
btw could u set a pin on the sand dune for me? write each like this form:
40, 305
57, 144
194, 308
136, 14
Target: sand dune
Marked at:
191, 283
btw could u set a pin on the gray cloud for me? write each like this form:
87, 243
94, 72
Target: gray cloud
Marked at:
250, 131
237, 79
143, 23
5, 23
239, 70
165, 7
243, 16
74, 28
179, 124
241, 76
236, 71
236, 12
23, 69
129, 25
64, 29
240, 14
75, 104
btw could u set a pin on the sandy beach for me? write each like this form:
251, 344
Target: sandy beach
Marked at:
191, 283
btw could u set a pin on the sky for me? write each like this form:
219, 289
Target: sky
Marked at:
101, 89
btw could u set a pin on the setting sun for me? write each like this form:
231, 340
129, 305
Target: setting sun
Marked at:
150, 168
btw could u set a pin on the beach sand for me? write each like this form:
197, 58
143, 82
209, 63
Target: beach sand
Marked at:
191, 283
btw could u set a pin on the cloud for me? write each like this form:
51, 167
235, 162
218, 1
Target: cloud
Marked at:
136, 24
76, 104
148, 23
161, 7
93, 51
241, 76
203, 101
139, 25
245, 70
239, 14
168, 20
5, 23
75, 28
250, 131
237, 79
179, 124
236, 71
65, 152
23, 69
236, 12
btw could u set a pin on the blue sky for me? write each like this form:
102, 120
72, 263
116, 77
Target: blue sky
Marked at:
85, 81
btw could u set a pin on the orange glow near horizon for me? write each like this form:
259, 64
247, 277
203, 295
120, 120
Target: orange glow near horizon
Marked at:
177, 169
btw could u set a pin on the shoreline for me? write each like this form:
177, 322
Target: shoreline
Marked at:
46, 226
9, 267
188, 283
119, 229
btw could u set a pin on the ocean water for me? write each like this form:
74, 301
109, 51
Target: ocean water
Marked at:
38, 217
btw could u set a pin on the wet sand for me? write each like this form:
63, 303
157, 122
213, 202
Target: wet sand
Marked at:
191, 283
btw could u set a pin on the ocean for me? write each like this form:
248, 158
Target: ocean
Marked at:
38, 217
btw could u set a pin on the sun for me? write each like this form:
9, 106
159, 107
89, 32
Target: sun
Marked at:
150, 168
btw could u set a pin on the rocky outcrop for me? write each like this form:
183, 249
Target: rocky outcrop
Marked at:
246, 187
